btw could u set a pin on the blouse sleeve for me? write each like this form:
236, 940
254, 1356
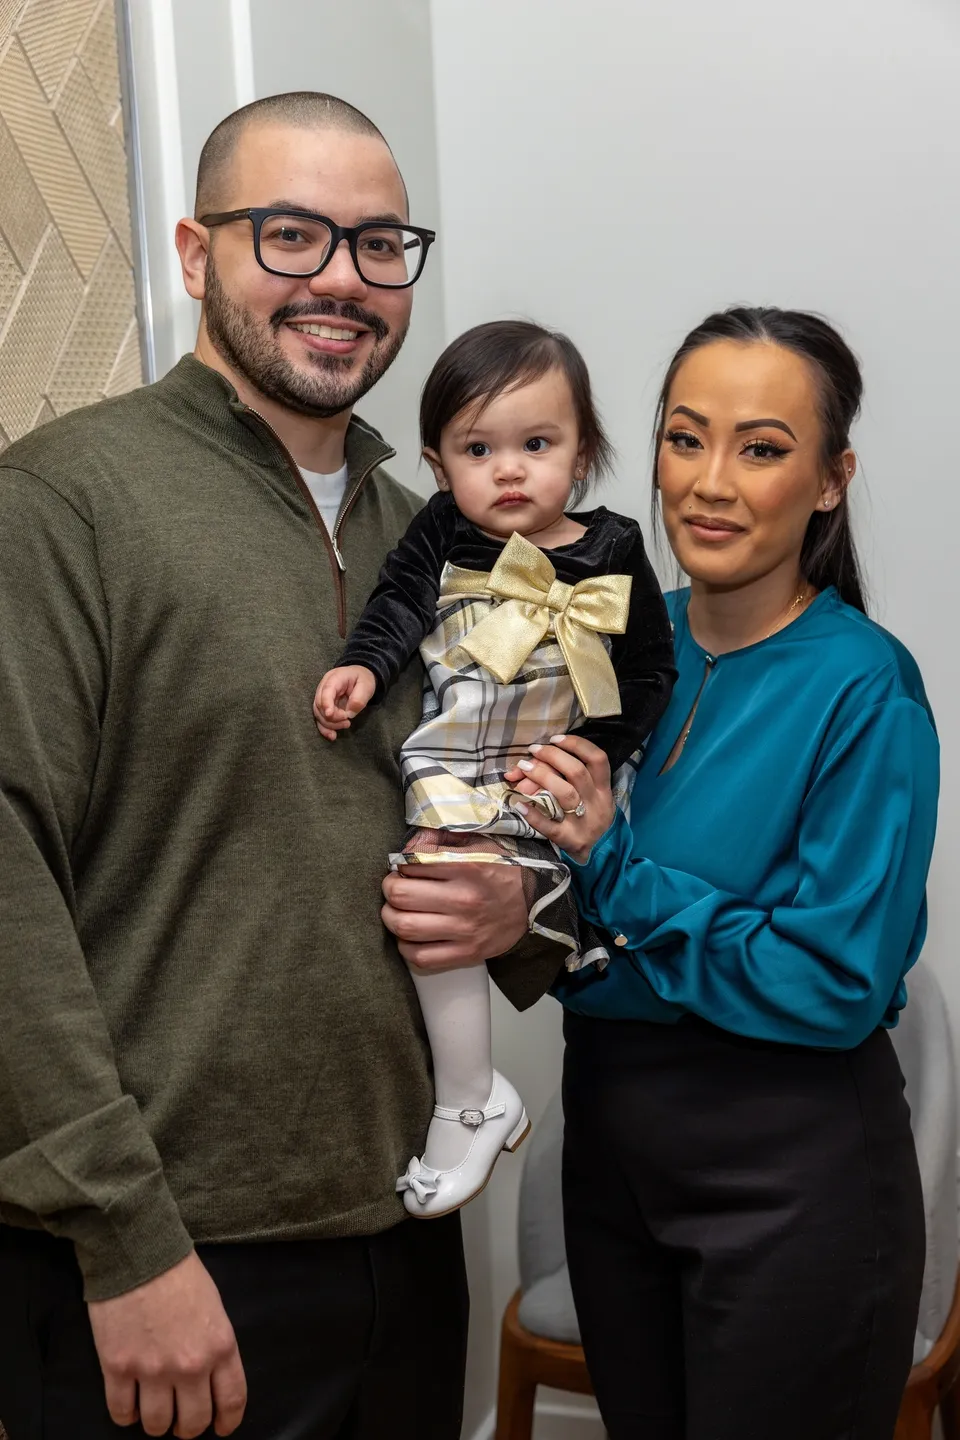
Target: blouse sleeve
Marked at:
643, 660
402, 609
822, 968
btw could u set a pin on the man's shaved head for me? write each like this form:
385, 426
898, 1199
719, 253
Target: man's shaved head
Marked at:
300, 109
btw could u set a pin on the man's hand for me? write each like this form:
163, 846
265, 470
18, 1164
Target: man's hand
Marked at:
449, 916
171, 1340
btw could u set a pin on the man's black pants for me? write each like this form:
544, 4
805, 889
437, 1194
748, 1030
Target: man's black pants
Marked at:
353, 1339
745, 1232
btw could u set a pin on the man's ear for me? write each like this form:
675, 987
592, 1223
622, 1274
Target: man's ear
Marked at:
436, 465
193, 241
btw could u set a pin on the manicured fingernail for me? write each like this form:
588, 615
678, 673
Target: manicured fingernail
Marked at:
555, 739
524, 764
524, 809
534, 748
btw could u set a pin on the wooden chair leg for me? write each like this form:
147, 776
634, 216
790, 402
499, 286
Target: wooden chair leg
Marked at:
516, 1393
950, 1413
915, 1421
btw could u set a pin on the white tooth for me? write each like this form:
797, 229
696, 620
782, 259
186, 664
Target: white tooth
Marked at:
324, 332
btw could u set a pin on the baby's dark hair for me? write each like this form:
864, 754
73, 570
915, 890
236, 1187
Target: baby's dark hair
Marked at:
502, 355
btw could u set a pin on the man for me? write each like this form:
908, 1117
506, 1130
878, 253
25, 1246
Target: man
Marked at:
212, 1065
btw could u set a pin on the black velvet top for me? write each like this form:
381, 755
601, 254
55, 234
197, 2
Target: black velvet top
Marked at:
402, 610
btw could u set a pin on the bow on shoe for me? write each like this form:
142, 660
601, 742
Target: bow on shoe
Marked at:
533, 597
420, 1179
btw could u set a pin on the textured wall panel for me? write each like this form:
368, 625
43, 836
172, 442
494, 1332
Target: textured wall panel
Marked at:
9, 11
99, 58
35, 332
126, 372
51, 162
99, 329
10, 278
51, 32
98, 149
68, 328
23, 215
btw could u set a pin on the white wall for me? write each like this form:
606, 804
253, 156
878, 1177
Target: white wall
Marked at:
377, 55
620, 169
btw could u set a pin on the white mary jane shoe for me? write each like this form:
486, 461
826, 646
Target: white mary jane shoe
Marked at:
502, 1124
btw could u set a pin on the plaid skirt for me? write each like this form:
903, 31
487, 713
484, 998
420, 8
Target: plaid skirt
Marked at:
473, 728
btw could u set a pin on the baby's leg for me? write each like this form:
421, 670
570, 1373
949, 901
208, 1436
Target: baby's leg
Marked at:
478, 1112
456, 1012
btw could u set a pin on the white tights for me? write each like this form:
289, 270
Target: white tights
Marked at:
456, 1012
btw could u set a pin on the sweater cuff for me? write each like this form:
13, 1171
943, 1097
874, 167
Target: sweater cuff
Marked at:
137, 1238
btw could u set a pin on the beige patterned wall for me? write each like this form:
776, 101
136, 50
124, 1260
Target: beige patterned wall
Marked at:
68, 329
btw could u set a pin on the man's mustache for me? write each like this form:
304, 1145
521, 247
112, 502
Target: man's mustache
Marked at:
321, 310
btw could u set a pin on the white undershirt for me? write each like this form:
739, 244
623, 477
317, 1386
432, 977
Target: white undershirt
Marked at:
327, 492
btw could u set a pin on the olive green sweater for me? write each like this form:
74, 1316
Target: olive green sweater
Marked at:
205, 1031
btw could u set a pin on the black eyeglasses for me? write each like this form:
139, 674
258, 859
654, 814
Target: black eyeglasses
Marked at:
298, 242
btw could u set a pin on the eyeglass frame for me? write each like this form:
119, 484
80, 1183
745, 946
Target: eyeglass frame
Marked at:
256, 214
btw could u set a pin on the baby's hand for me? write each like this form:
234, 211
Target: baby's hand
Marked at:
341, 695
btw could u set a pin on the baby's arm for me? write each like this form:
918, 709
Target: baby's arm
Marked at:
399, 614
642, 658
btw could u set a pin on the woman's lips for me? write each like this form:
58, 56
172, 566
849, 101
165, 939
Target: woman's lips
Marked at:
712, 532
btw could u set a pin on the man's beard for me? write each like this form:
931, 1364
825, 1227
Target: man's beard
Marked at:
252, 349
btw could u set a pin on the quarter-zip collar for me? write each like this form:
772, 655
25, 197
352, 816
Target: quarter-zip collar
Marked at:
205, 400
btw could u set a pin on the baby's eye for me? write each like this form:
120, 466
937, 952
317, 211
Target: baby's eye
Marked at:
537, 445
478, 450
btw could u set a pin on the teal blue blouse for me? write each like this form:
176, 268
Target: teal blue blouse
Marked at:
772, 881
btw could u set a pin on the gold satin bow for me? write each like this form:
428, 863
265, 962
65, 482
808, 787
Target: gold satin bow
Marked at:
533, 597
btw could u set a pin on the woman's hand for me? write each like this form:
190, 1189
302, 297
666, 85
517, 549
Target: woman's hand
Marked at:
576, 772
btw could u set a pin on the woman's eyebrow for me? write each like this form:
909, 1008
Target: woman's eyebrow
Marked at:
777, 425
694, 414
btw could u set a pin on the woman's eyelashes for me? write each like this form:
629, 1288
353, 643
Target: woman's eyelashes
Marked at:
764, 450
684, 442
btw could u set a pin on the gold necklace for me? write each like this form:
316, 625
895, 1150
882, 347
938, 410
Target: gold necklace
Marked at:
799, 599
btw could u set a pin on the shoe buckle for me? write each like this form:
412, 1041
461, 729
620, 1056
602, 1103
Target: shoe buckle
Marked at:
472, 1117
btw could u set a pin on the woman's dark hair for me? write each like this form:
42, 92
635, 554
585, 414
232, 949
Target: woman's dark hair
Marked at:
502, 355
828, 555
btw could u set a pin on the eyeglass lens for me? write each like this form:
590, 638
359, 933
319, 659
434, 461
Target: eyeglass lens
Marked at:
295, 246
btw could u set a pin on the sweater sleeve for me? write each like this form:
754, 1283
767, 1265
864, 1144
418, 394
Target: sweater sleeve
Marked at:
402, 610
820, 969
642, 658
75, 1154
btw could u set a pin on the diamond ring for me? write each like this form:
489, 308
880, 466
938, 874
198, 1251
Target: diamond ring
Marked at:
578, 810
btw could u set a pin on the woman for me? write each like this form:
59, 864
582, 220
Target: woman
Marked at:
743, 1208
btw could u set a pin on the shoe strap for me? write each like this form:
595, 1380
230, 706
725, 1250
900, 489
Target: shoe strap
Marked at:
473, 1118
